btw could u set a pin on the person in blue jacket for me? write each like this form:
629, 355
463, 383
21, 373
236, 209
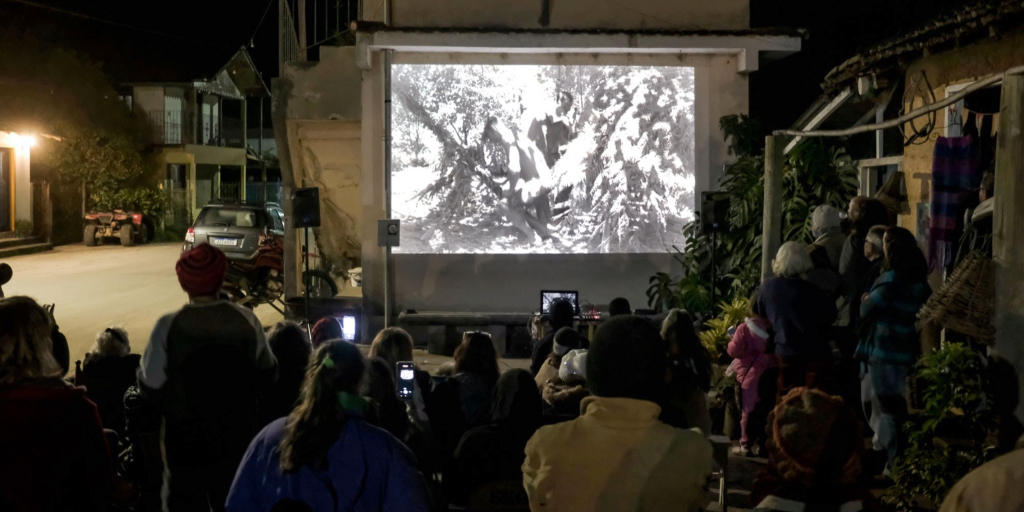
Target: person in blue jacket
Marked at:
323, 456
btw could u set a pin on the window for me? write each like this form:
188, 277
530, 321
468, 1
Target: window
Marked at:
232, 217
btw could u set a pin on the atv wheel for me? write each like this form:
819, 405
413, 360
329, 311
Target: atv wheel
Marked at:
143, 234
320, 284
127, 235
89, 236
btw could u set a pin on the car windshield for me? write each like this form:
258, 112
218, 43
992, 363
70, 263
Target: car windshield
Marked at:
231, 217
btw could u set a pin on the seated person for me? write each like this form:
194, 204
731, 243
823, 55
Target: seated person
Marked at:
619, 306
617, 455
564, 393
562, 314
107, 373
494, 453
291, 348
814, 452
324, 456
993, 487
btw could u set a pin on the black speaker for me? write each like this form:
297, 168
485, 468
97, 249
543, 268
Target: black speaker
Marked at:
306, 207
714, 210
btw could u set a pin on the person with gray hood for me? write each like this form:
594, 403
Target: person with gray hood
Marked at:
826, 226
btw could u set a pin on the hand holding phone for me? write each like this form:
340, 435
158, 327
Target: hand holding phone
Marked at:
406, 378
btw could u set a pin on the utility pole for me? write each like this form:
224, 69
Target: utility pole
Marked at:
303, 42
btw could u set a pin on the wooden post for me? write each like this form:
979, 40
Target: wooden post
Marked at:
771, 239
1008, 230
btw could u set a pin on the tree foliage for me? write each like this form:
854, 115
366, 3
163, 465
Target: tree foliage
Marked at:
85, 133
629, 165
814, 174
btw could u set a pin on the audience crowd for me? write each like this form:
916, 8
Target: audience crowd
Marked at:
215, 414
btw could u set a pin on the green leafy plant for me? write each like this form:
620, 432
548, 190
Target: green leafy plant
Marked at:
814, 173
950, 436
23, 228
715, 334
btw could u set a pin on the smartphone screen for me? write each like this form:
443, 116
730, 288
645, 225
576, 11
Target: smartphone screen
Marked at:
406, 373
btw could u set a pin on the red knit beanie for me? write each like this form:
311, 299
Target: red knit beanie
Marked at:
326, 329
201, 270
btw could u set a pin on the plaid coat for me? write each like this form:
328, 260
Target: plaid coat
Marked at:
888, 320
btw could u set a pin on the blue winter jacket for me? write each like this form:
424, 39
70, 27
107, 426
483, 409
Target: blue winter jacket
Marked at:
889, 320
368, 470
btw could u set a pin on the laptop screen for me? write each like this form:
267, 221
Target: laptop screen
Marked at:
549, 296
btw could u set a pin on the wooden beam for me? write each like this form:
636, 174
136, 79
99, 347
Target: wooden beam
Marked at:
771, 238
1008, 230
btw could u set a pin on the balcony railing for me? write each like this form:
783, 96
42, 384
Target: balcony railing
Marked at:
168, 127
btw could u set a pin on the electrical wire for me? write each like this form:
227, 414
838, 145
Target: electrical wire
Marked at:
260, 24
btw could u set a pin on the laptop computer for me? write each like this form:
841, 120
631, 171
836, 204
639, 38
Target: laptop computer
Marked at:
549, 296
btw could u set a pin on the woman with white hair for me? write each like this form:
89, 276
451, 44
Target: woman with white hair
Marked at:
800, 315
107, 373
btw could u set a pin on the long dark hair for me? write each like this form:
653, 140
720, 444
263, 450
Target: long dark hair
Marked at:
476, 354
316, 422
685, 349
903, 255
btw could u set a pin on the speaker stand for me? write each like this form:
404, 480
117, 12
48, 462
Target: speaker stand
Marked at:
305, 276
714, 266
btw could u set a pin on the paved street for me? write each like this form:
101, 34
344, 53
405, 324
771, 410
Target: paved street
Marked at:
98, 287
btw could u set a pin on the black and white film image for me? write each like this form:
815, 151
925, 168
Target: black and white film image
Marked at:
542, 159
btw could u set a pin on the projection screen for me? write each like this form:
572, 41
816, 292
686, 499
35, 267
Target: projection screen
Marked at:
490, 159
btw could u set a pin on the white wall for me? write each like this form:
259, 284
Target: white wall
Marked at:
22, 174
511, 283
570, 14
149, 98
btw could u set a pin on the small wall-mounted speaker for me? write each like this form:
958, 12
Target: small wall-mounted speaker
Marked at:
714, 210
306, 207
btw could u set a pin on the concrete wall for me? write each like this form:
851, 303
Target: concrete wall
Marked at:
148, 98
569, 14
21, 171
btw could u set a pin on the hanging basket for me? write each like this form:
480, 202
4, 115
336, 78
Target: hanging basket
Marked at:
966, 302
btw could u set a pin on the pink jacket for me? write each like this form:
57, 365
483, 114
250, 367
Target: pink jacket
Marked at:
748, 347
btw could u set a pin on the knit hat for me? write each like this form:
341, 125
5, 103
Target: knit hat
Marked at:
566, 339
825, 217
574, 366
201, 270
815, 436
326, 329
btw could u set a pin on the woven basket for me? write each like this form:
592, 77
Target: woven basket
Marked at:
966, 302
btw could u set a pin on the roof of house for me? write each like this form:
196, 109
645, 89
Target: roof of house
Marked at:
961, 26
204, 66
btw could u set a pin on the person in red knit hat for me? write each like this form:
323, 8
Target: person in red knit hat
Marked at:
205, 368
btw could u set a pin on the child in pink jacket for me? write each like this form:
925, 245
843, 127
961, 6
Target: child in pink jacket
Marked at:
749, 349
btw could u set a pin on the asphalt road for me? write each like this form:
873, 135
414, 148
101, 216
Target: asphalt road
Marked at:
98, 287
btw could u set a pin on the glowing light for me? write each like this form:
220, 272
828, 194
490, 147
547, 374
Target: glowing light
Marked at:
23, 141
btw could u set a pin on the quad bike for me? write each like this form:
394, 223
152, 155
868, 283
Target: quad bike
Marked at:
259, 279
130, 228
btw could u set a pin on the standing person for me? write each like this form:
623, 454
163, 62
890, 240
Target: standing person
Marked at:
891, 343
562, 314
690, 369
323, 456
749, 347
107, 373
292, 349
864, 213
617, 455
800, 315
826, 227
814, 453
53, 454
205, 367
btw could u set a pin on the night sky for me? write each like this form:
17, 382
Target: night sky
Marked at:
202, 31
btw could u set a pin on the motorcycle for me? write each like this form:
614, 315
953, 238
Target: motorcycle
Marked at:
259, 279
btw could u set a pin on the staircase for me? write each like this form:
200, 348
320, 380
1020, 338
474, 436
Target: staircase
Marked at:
11, 246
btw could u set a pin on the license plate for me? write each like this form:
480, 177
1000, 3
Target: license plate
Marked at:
224, 241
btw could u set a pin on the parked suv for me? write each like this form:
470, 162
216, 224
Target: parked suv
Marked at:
234, 227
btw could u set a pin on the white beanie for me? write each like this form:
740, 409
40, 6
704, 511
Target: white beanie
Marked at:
574, 366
